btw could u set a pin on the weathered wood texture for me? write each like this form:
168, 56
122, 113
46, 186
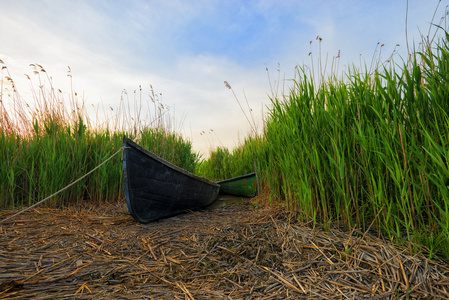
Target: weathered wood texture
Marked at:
157, 189
245, 185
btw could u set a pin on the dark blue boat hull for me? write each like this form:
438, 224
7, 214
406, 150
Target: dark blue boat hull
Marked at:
157, 189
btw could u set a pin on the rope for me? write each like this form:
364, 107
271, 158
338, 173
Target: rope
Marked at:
63, 189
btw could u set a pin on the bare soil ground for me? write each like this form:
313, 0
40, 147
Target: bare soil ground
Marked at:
232, 250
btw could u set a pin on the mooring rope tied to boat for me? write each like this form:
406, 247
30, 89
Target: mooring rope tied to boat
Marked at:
63, 189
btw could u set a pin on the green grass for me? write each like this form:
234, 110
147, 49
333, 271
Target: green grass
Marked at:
46, 146
224, 164
368, 151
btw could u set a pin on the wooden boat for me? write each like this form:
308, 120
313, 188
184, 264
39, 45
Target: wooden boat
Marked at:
157, 189
245, 185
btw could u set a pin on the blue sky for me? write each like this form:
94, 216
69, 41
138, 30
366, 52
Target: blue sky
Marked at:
187, 49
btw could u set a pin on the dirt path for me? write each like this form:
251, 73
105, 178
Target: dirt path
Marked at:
232, 250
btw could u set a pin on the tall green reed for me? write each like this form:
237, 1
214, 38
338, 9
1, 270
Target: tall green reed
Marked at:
370, 151
48, 142
224, 164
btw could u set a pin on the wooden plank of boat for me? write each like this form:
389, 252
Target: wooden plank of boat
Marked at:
157, 189
245, 185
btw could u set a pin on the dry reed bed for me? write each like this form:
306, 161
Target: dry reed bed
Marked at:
228, 252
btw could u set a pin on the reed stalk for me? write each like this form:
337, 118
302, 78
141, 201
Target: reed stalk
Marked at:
47, 142
369, 151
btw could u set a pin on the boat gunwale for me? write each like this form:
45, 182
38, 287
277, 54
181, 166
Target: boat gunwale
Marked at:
237, 178
128, 142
